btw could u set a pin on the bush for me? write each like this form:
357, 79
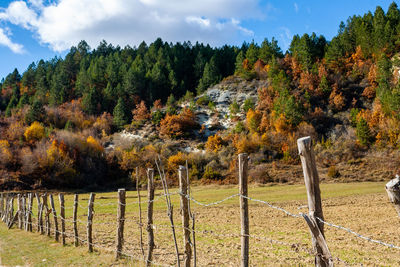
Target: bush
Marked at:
253, 120
175, 160
248, 104
34, 132
176, 126
203, 100
214, 143
5, 153
157, 116
211, 174
333, 172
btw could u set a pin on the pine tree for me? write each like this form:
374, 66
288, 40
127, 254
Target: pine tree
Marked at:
363, 132
119, 113
36, 112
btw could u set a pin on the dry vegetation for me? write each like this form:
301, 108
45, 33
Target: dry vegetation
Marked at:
278, 239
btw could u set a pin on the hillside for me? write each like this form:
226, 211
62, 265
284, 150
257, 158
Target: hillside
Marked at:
89, 119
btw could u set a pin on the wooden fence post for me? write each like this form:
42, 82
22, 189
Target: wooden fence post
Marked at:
11, 215
90, 222
62, 215
38, 211
29, 213
1, 204
53, 209
121, 221
46, 214
150, 196
19, 202
75, 218
24, 211
183, 187
140, 212
393, 191
311, 180
5, 211
244, 209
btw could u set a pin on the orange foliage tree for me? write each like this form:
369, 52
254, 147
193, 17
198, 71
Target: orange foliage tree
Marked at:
214, 143
141, 113
176, 126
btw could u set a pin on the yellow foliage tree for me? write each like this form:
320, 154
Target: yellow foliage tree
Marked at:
5, 153
214, 143
34, 132
253, 120
175, 160
94, 144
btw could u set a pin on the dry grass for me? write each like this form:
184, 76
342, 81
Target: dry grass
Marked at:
281, 240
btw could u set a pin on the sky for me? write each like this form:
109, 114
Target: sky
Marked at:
31, 30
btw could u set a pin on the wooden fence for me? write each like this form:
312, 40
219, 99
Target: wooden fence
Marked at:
53, 223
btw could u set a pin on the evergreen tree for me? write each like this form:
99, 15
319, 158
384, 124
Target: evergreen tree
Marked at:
363, 132
36, 112
120, 114
210, 76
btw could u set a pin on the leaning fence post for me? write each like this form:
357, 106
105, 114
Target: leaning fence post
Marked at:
75, 218
29, 213
244, 209
150, 196
46, 214
62, 215
121, 221
393, 191
90, 222
19, 202
311, 180
53, 209
183, 187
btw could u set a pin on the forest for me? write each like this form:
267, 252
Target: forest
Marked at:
59, 116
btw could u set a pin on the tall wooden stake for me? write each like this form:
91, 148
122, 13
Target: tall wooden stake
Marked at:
23, 211
244, 209
140, 212
75, 218
311, 180
150, 233
183, 187
1, 204
38, 212
90, 222
62, 215
28, 226
53, 209
121, 221
46, 211
19, 199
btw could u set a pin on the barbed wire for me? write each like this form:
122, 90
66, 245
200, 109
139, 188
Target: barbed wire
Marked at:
358, 235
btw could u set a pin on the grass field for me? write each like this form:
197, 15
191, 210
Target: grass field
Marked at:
277, 239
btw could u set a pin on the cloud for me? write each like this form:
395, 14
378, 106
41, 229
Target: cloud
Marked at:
296, 7
6, 41
285, 37
64, 23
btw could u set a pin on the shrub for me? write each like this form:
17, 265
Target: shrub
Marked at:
333, 172
211, 174
248, 104
34, 132
203, 100
157, 116
176, 126
214, 143
175, 160
94, 144
239, 127
234, 108
253, 120
5, 153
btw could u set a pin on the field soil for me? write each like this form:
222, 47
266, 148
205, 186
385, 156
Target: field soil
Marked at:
276, 238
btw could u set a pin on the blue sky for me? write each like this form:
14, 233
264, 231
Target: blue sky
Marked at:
42, 29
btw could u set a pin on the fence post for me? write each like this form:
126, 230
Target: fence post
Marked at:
19, 199
1, 204
46, 214
24, 211
244, 209
11, 215
5, 211
150, 196
53, 209
38, 211
140, 212
311, 180
29, 213
62, 215
90, 222
75, 217
183, 187
121, 221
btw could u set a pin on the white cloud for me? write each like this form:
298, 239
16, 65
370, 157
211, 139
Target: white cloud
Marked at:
296, 7
285, 37
64, 23
6, 41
